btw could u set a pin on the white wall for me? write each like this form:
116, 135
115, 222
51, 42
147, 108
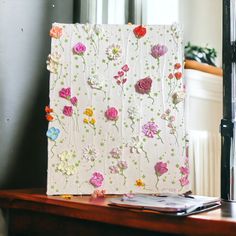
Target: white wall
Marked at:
202, 22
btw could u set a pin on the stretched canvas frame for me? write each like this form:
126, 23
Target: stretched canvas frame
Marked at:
116, 114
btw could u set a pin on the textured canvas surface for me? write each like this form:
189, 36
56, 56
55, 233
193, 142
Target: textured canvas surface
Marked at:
116, 113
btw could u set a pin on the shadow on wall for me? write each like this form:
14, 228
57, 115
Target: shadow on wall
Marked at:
24, 46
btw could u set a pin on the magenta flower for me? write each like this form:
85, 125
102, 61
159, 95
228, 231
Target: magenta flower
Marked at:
184, 170
74, 101
158, 51
184, 181
125, 68
65, 93
111, 113
97, 179
160, 168
79, 48
150, 129
68, 110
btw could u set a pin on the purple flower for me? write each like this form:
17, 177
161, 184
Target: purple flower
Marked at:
65, 93
150, 129
79, 49
67, 110
114, 169
158, 50
96, 179
160, 168
122, 165
74, 101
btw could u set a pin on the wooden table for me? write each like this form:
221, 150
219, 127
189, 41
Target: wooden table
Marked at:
31, 212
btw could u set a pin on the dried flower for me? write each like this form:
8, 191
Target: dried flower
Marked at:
150, 129
53, 133
139, 31
160, 168
68, 110
97, 179
111, 113
143, 86
79, 49
113, 52
55, 32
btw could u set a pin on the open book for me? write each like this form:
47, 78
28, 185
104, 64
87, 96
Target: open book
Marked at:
167, 203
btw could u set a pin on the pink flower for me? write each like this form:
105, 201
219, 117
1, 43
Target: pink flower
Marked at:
111, 113
68, 110
158, 50
125, 68
65, 93
79, 48
184, 170
121, 73
184, 181
171, 118
114, 169
122, 165
55, 32
74, 101
160, 168
150, 129
116, 76
167, 111
96, 179
143, 86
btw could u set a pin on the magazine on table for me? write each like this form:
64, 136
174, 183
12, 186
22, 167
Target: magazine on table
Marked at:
167, 203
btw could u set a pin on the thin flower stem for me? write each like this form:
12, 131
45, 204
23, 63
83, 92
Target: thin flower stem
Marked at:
116, 126
157, 184
132, 124
159, 137
61, 124
146, 156
149, 96
60, 43
122, 174
84, 63
51, 149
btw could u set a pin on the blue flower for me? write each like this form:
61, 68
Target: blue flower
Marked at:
53, 133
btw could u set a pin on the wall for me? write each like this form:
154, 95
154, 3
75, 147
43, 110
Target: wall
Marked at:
202, 22
24, 46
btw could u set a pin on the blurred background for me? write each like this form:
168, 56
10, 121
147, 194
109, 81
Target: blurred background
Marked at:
25, 44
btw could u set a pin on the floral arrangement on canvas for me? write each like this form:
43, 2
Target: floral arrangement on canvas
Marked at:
116, 112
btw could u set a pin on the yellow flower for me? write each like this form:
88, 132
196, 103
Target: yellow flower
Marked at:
88, 112
92, 121
86, 121
139, 183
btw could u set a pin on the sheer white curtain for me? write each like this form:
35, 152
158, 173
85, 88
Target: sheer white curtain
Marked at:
204, 153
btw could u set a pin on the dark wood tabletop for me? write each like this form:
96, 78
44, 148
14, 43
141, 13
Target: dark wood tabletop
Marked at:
31, 212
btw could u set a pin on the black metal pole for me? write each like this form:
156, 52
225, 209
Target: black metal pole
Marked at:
226, 122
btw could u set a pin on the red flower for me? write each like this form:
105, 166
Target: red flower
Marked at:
48, 109
143, 86
178, 75
139, 31
177, 66
49, 117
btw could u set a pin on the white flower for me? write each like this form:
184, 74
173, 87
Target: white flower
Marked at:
116, 152
98, 30
66, 166
53, 62
178, 97
135, 145
113, 52
132, 113
88, 28
95, 82
90, 153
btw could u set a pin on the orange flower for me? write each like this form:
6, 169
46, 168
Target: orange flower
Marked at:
55, 32
177, 66
48, 109
139, 183
49, 117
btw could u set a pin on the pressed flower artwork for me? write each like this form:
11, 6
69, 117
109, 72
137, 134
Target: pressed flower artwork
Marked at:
116, 122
